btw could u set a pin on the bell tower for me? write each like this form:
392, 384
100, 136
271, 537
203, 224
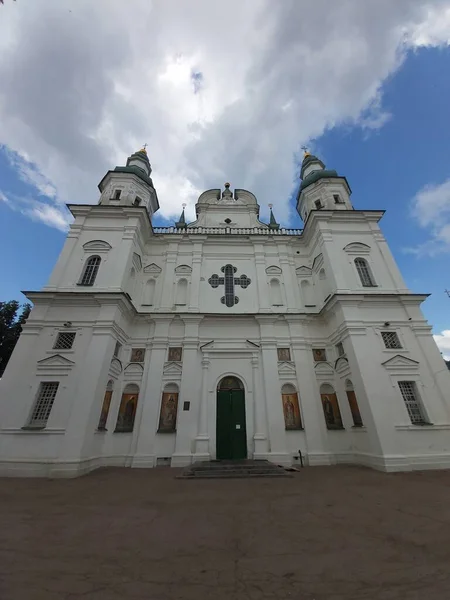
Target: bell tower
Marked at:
130, 185
321, 188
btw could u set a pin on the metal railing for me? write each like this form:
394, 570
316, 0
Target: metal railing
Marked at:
227, 230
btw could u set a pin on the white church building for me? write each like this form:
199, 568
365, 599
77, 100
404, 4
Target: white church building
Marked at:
225, 338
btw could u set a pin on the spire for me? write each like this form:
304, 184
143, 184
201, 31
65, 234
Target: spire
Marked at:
273, 223
140, 160
310, 164
181, 224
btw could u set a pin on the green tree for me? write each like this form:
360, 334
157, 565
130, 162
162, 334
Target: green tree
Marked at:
10, 329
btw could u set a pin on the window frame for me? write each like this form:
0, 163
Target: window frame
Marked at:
60, 335
318, 204
32, 422
397, 337
368, 272
86, 281
419, 405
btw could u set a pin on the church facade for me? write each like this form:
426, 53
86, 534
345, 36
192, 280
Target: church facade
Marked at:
225, 338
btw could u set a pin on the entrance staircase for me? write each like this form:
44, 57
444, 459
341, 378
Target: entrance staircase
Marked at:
233, 469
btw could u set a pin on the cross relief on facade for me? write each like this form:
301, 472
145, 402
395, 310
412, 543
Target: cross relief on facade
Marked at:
229, 281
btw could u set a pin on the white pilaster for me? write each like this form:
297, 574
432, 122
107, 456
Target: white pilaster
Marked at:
259, 410
202, 439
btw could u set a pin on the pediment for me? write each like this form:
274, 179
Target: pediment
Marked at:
357, 248
286, 367
55, 364
137, 262
115, 366
303, 271
318, 261
134, 369
273, 270
183, 270
324, 369
56, 360
229, 347
399, 362
341, 365
173, 368
152, 268
97, 246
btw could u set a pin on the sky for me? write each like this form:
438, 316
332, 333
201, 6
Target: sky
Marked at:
227, 90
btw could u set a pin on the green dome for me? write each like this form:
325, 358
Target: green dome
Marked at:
309, 159
316, 175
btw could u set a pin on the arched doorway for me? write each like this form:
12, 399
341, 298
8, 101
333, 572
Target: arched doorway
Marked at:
231, 432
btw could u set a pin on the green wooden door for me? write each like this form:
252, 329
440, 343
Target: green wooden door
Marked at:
231, 434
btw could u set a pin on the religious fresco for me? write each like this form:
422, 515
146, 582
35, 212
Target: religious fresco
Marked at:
137, 355
175, 354
168, 414
356, 415
331, 411
291, 409
284, 354
105, 410
319, 354
127, 412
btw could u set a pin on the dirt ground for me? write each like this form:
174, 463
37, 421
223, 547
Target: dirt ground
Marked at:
327, 533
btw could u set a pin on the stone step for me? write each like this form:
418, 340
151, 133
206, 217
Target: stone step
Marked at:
233, 469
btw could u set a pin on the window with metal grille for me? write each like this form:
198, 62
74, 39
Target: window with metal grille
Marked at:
410, 396
364, 272
65, 340
340, 349
90, 270
44, 403
229, 285
390, 339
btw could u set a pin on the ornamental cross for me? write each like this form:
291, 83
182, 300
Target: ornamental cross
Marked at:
145, 146
229, 281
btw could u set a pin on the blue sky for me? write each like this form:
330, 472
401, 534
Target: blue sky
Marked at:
374, 108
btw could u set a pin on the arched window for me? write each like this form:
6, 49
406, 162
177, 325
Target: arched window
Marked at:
230, 383
169, 409
307, 293
330, 407
275, 293
105, 406
356, 415
181, 297
149, 292
323, 284
291, 409
127, 409
90, 270
364, 272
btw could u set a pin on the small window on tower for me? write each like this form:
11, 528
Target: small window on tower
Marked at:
318, 204
337, 199
137, 201
340, 349
228, 221
117, 194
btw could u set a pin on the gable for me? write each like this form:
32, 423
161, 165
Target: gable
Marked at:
183, 270
342, 366
323, 370
303, 271
152, 268
55, 364
357, 248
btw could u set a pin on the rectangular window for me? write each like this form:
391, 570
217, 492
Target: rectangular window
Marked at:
137, 201
410, 396
117, 349
337, 199
117, 194
65, 340
340, 349
318, 204
44, 403
390, 339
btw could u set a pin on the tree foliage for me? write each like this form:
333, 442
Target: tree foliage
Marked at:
10, 328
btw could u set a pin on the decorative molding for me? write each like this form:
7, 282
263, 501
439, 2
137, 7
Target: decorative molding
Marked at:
152, 268
97, 246
133, 370
401, 364
286, 368
173, 368
317, 262
324, 370
342, 366
183, 270
115, 367
357, 248
273, 270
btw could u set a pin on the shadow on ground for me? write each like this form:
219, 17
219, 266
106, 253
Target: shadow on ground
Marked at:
327, 533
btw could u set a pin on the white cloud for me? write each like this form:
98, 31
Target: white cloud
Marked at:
443, 342
224, 90
431, 210
56, 216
